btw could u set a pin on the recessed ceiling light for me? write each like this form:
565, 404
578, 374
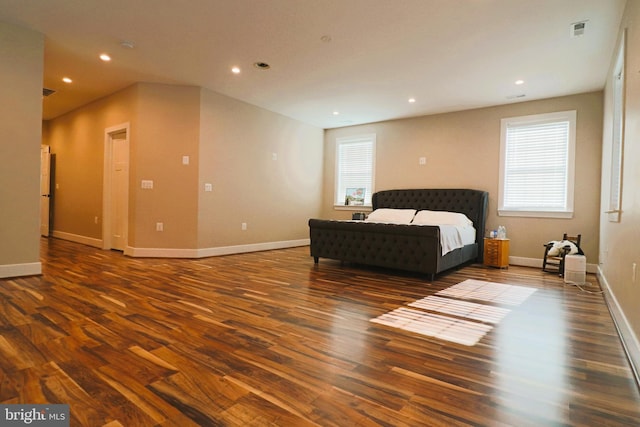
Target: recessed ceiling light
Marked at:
335, 113
235, 70
412, 100
105, 57
67, 80
519, 82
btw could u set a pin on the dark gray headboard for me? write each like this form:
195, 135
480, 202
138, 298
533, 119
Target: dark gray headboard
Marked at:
472, 203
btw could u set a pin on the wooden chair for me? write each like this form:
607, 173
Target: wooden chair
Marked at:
553, 263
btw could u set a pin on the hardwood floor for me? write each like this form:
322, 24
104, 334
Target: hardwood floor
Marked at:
271, 339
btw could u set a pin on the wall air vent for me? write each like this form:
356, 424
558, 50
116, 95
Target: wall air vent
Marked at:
46, 92
578, 28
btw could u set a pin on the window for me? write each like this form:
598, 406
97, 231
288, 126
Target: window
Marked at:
537, 165
355, 165
615, 180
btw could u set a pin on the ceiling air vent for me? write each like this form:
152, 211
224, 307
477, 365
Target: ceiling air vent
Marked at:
46, 92
578, 28
262, 65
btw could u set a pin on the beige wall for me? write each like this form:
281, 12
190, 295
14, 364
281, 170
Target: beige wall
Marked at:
275, 198
77, 141
619, 246
165, 130
230, 144
462, 151
21, 65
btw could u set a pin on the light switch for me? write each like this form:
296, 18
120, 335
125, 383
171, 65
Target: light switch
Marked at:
422, 161
208, 187
274, 156
147, 184
185, 160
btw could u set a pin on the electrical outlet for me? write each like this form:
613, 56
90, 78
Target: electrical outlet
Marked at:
244, 226
159, 226
422, 161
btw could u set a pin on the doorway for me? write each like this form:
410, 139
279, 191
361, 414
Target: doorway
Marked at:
115, 224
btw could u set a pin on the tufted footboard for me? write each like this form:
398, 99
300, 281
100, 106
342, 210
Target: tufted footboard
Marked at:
403, 247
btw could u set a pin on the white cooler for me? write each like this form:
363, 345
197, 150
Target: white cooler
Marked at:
575, 269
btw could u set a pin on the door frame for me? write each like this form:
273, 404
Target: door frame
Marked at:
45, 220
108, 182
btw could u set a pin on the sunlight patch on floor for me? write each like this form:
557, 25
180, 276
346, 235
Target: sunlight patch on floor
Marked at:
447, 328
469, 310
462, 322
488, 291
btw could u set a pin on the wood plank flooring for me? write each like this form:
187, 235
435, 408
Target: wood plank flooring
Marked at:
270, 339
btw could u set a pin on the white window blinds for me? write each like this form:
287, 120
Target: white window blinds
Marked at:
355, 162
616, 148
537, 164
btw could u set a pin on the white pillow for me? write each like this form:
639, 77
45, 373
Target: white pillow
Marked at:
392, 216
442, 218
556, 249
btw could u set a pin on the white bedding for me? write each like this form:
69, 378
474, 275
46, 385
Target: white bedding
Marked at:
456, 229
453, 237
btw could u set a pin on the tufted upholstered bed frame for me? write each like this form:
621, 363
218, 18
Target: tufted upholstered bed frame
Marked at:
404, 247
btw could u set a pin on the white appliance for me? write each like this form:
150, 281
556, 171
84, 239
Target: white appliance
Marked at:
575, 269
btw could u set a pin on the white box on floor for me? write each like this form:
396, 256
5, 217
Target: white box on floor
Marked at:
575, 269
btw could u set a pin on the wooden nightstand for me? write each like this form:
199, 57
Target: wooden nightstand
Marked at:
496, 252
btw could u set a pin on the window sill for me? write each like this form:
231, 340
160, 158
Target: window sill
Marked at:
536, 214
358, 208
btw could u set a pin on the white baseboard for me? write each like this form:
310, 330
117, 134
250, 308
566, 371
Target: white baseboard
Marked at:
625, 331
160, 252
18, 270
209, 252
537, 263
255, 247
89, 241
186, 253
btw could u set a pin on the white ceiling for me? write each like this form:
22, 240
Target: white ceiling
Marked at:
447, 54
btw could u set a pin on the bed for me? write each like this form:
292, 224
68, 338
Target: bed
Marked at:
406, 246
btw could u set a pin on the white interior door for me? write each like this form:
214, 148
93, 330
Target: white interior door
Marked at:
119, 193
45, 188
